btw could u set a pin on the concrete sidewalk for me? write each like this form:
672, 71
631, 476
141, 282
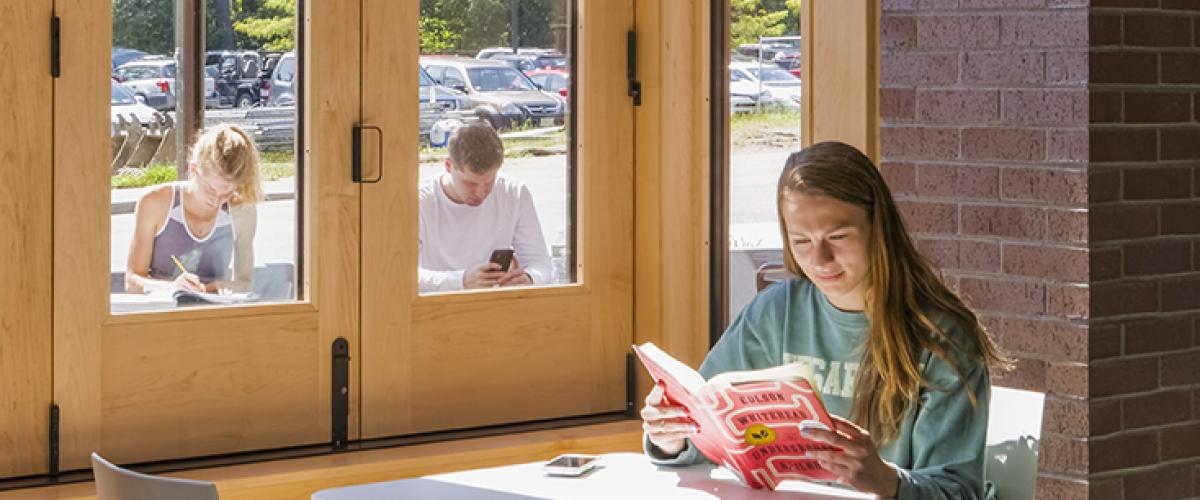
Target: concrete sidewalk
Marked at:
124, 200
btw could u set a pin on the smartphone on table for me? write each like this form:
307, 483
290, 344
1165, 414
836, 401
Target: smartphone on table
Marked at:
502, 256
570, 465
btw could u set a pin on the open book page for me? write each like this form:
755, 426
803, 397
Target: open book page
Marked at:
668, 366
752, 421
188, 297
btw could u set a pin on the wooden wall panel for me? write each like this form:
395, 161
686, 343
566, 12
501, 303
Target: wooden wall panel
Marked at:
81, 222
840, 96
522, 367
25, 217
672, 180
391, 256
162, 385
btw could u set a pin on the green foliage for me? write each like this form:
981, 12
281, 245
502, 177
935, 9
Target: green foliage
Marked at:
266, 24
751, 19
487, 22
149, 25
146, 25
465, 26
437, 37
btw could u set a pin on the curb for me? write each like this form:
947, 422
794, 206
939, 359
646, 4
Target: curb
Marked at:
126, 206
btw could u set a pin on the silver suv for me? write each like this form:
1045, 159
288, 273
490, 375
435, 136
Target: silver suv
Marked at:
496, 92
153, 78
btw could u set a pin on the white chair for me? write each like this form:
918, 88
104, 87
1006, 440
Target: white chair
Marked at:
116, 483
1014, 428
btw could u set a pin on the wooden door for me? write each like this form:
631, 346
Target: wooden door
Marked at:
457, 360
25, 211
183, 383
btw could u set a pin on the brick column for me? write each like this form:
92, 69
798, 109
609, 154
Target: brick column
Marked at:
984, 138
1145, 257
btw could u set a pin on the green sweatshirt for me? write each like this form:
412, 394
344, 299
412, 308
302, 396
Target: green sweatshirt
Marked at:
940, 447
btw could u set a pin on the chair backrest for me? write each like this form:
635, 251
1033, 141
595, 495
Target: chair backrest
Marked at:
1014, 429
769, 273
116, 483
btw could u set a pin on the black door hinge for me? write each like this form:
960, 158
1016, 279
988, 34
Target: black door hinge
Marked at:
53, 465
631, 410
340, 403
635, 86
54, 46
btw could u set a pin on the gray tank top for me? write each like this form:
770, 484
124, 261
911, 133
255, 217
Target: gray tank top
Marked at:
207, 258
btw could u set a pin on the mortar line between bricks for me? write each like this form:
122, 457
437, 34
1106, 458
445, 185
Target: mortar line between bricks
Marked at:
1143, 430
1062, 476
1140, 356
1160, 390
1120, 473
1141, 10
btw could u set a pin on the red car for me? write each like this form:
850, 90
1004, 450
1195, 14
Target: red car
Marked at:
552, 80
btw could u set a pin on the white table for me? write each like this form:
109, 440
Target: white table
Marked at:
621, 476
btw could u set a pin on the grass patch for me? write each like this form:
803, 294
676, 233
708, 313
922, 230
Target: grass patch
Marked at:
774, 128
149, 176
514, 147
274, 165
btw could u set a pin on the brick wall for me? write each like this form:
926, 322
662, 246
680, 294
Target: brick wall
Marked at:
1047, 156
1145, 271
984, 139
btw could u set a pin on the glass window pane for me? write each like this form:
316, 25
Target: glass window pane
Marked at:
764, 128
191, 226
508, 187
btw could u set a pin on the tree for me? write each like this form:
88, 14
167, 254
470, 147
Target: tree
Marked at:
219, 20
270, 26
751, 19
436, 36
146, 25
487, 22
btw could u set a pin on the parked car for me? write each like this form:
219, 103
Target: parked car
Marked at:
496, 91
237, 77
792, 65
783, 87
533, 62
283, 81
269, 60
153, 78
436, 102
746, 94
122, 55
552, 80
127, 105
491, 52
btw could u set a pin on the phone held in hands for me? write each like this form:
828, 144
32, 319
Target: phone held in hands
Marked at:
570, 465
502, 256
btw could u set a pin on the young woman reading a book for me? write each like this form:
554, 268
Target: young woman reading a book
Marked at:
183, 235
899, 359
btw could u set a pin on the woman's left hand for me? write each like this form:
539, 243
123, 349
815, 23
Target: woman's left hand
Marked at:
858, 464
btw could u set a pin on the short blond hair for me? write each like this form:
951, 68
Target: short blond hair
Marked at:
228, 151
475, 147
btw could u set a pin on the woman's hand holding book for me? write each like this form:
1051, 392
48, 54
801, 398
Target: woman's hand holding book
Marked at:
666, 426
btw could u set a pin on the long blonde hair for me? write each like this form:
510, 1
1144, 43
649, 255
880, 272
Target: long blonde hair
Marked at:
228, 151
902, 290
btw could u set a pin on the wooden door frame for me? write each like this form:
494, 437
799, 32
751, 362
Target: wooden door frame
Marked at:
26, 88
398, 324
91, 343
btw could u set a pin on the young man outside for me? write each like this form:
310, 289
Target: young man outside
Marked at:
470, 210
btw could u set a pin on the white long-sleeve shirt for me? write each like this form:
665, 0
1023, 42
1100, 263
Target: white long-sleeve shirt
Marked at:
456, 237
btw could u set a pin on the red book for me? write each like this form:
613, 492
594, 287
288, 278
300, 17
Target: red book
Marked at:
749, 422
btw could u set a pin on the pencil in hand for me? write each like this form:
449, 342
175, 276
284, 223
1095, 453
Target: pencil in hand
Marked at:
179, 264
187, 276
